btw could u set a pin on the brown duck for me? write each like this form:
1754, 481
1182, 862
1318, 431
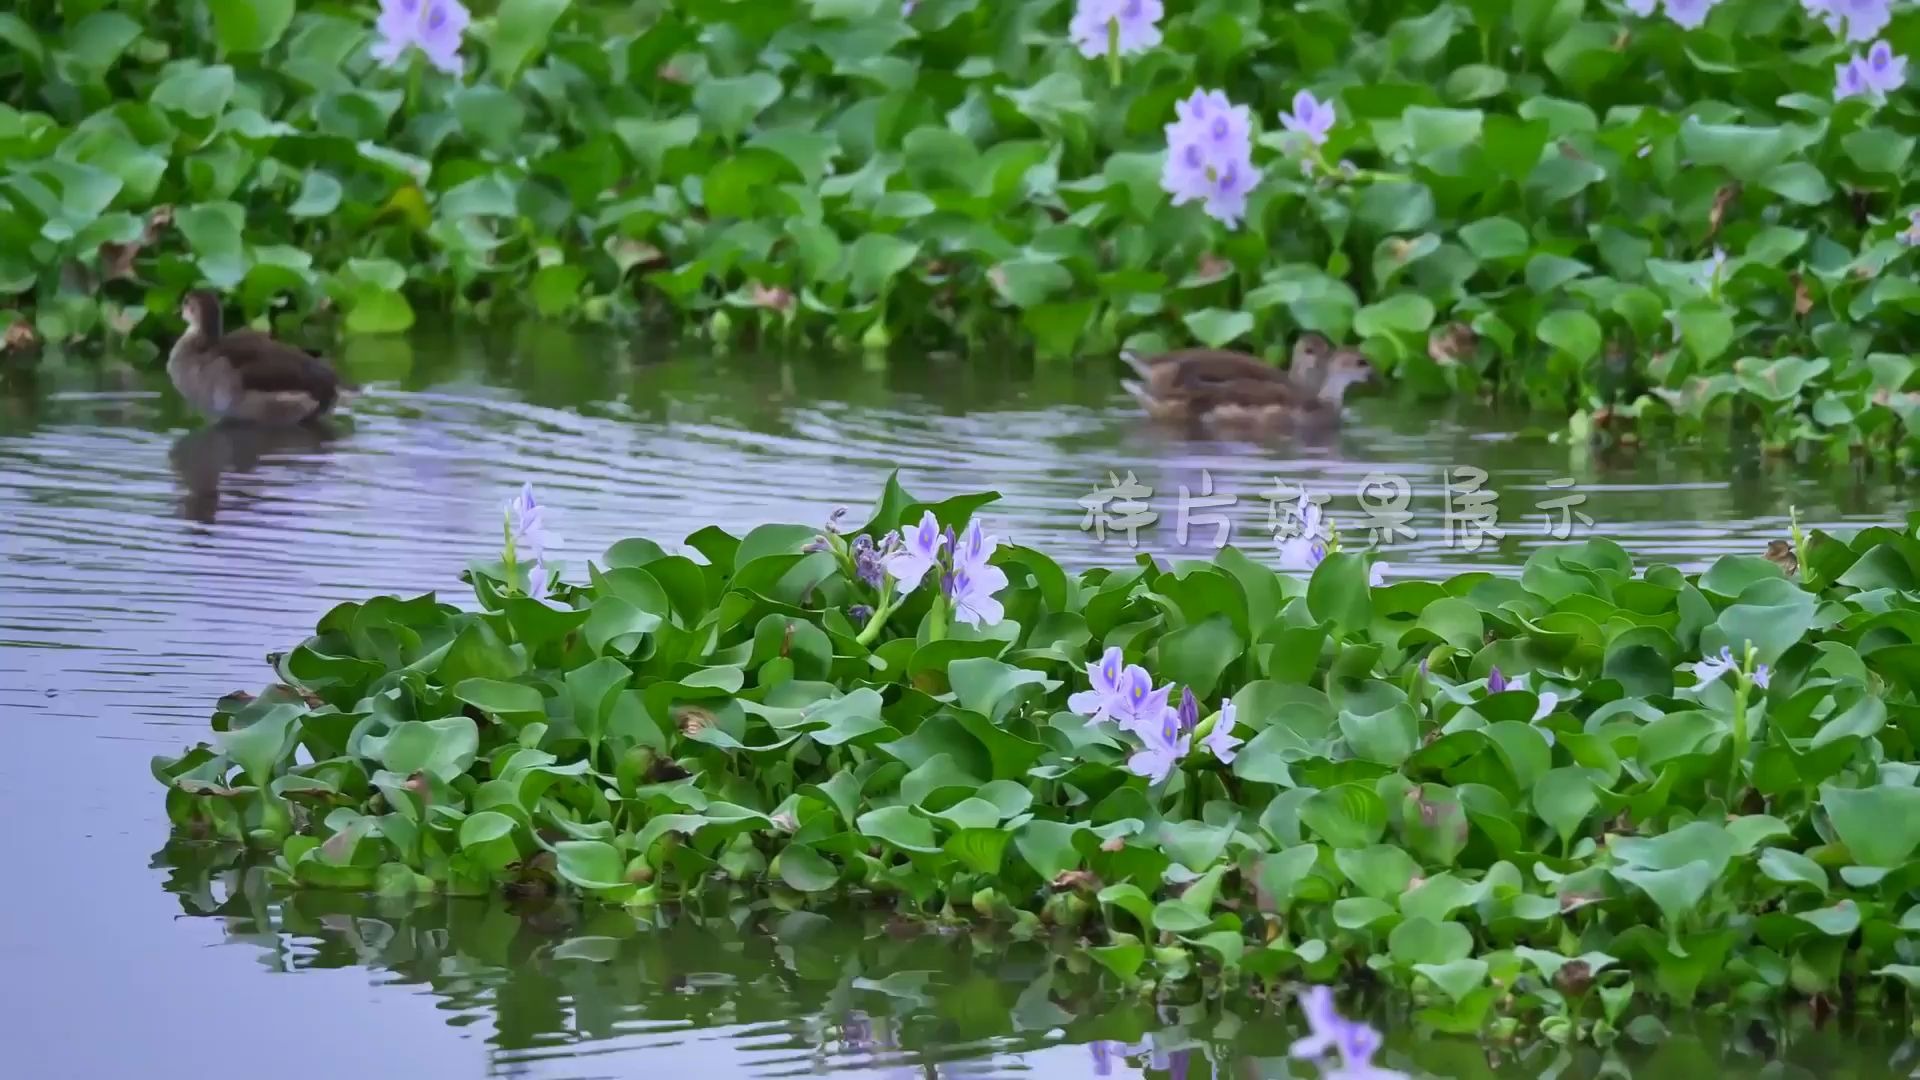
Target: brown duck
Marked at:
1781, 554
1235, 393
246, 375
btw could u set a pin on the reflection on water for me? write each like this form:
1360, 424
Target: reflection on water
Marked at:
149, 563
569, 992
223, 460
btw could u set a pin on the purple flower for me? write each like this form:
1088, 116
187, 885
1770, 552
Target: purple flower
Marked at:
1712, 667
1094, 21
539, 585
1762, 676
1910, 235
858, 614
1310, 117
1353, 1042
1165, 745
1139, 707
1496, 682
1221, 740
974, 549
920, 553
972, 595
1306, 550
1849, 80
1189, 711
1886, 69
1857, 20
527, 535
1689, 14
869, 561
1103, 701
432, 26
1642, 8
1879, 73
1210, 156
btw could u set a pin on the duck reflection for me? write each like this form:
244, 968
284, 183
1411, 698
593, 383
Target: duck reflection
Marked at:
206, 459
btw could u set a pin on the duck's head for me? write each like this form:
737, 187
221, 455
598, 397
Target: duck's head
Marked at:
201, 309
1345, 368
1309, 364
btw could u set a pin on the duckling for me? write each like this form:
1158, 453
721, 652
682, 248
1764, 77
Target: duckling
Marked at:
1231, 393
246, 375
1181, 384
1780, 553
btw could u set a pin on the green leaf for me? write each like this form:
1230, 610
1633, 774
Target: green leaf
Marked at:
1381, 870
520, 30
1345, 816
199, 92
319, 196
1676, 892
1048, 847
874, 259
806, 870
1216, 327
1338, 592
1792, 868
443, 748
899, 826
1423, 941
1574, 333
1457, 978
250, 26
1799, 182
730, 104
1407, 313
1879, 825
1840, 920
1196, 655
500, 698
590, 864
1564, 798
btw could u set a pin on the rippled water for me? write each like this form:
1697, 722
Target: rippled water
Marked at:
148, 565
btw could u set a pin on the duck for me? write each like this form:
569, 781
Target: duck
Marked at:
1227, 392
245, 375
1781, 554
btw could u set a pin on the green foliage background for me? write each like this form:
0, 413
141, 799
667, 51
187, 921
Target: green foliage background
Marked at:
1551, 173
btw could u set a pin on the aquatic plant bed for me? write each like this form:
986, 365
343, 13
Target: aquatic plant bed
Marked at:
1541, 797
1631, 209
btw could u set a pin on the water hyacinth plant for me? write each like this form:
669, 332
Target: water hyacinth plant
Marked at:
526, 540
1720, 790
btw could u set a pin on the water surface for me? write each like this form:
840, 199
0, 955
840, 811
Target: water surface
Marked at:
149, 564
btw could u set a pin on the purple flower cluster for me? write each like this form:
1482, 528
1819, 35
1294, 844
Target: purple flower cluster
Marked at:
1124, 694
1874, 75
432, 26
1210, 156
966, 577
1855, 20
1133, 26
528, 538
1910, 235
1332, 1037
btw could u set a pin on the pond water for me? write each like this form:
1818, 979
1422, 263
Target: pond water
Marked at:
149, 564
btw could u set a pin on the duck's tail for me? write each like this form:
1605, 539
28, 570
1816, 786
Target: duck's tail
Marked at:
1141, 394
